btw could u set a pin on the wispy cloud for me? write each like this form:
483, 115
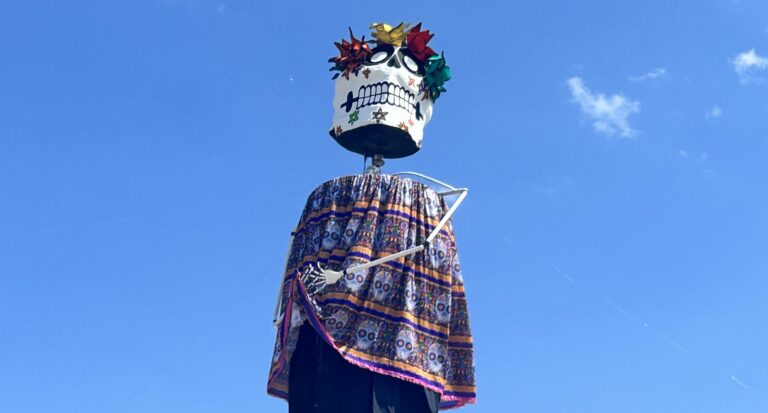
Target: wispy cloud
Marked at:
751, 67
714, 112
655, 73
608, 114
701, 157
740, 383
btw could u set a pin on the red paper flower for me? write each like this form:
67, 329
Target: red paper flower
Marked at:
352, 55
417, 43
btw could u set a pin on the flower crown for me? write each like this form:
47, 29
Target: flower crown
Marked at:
355, 51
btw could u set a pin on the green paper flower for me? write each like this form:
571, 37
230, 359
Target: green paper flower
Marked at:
437, 73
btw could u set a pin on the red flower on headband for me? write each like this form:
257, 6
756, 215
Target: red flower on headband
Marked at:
417, 43
352, 55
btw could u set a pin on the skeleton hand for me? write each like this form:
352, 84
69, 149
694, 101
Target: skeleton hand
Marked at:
315, 277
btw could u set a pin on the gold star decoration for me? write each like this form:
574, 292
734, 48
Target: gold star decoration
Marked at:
338, 130
379, 115
366, 72
403, 126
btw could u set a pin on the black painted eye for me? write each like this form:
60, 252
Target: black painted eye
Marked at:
380, 54
410, 64
379, 57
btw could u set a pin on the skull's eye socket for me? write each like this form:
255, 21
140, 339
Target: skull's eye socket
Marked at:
380, 54
379, 57
410, 64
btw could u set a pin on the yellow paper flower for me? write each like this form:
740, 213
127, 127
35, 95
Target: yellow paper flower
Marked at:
386, 34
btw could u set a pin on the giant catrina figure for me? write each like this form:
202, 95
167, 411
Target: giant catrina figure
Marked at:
371, 314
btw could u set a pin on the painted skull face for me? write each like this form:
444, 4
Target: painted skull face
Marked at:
380, 110
405, 344
336, 323
412, 295
442, 308
433, 205
437, 253
331, 234
456, 268
349, 232
382, 285
436, 358
366, 334
355, 280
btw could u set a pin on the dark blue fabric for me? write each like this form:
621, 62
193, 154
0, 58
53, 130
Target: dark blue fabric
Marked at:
321, 381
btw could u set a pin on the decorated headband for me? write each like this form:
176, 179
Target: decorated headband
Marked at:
384, 94
354, 52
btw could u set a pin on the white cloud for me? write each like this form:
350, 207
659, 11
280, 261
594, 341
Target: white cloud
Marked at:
751, 67
714, 112
655, 73
609, 114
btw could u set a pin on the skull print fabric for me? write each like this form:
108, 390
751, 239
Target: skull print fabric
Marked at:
408, 318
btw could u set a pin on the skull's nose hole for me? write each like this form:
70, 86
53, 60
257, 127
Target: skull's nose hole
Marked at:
394, 61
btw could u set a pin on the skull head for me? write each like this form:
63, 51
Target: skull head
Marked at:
412, 295
367, 332
442, 308
355, 279
436, 358
382, 285
380, 110
350, 231
336, 323
405, 344
331, 234
437, 250
456, 268
384, 94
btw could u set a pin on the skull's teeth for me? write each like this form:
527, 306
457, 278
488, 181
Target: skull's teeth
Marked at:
385, 93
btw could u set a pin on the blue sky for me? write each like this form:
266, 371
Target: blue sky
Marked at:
155, 154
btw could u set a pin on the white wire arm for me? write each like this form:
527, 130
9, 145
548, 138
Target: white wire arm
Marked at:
429, 178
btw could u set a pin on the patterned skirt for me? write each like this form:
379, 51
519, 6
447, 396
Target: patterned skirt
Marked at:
405, 319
